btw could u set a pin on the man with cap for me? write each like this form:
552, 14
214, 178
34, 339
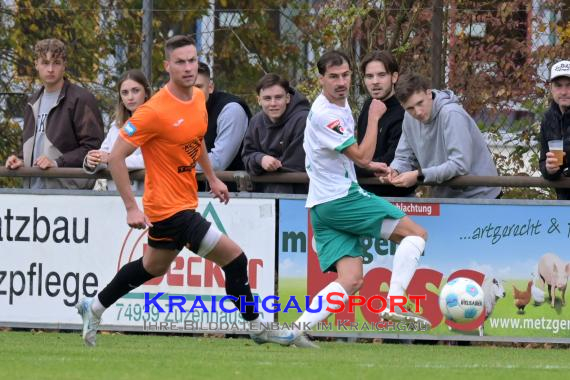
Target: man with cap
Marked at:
556, 126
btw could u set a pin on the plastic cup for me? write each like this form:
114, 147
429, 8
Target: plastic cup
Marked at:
555, 146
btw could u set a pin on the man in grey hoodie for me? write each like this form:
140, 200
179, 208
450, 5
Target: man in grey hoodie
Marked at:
274, 140
439, 141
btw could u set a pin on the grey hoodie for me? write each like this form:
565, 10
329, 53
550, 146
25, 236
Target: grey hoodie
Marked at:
282, 140
450, 144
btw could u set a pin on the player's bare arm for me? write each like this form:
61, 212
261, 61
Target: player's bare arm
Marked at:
217, 187
380, 169
361, 154
118, 167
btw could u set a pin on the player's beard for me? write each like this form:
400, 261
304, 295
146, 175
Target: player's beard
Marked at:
180, 82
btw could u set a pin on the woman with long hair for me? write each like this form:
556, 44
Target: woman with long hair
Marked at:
133, 90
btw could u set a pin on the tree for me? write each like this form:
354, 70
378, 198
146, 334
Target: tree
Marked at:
496, 52
75, 22
103, 39
500, 82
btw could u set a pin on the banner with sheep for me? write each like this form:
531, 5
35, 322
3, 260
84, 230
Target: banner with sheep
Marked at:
519, 253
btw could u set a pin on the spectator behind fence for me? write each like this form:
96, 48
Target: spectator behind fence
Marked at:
274, 140
439, 142
61, 122
228, 118
133, 90
556, 126
380, 71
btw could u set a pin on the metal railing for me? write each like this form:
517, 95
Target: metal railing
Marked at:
245, 181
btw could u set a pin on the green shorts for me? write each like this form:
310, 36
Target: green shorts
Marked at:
339, 224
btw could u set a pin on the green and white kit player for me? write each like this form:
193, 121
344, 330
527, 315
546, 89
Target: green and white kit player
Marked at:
341, 211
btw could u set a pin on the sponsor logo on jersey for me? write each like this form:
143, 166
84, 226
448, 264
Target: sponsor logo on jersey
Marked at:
129, 128
335, 126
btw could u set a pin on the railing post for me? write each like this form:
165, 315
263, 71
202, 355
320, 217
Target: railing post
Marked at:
243, 181
146, 58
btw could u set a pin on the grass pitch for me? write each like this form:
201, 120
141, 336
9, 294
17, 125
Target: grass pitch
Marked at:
27, 355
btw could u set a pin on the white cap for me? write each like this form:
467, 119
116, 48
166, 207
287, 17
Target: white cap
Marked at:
561, 69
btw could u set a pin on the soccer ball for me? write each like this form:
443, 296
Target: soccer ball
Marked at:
461, 300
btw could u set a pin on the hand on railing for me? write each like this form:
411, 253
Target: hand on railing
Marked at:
228, 176
14, 163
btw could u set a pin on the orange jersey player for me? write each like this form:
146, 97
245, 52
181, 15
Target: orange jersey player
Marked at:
169, 129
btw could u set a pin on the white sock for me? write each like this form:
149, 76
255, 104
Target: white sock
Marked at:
406, 260
97, 308
313, 318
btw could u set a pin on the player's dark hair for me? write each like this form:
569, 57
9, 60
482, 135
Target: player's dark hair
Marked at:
332, 58
177, 42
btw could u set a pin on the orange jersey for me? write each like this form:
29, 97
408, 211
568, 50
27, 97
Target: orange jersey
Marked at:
169, 132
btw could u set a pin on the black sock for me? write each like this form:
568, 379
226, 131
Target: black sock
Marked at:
131, 276
237, 284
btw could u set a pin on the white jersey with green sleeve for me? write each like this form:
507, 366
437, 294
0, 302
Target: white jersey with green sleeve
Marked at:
329, 131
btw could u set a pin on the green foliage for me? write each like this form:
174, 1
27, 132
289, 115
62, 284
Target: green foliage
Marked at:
357, 27
504, 76
102, 42
497, 73
515, 145
11, 135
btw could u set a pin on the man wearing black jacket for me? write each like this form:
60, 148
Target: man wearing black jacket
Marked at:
556, 126
228, 117
274, 140
380, 71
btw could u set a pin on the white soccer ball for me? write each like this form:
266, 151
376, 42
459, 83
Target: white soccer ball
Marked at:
461, 300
